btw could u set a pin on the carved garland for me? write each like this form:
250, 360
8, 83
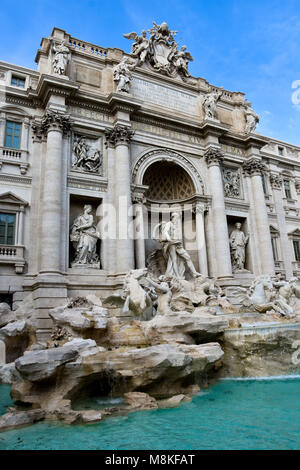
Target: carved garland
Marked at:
276, 181
171, 155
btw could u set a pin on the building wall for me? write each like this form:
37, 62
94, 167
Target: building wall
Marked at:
167, 118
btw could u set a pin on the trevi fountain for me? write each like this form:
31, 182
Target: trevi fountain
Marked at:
105, 335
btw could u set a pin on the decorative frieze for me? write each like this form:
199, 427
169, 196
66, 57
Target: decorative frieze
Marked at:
118, 135
86, 157
213, 156
276, 181
253, 167
232, 183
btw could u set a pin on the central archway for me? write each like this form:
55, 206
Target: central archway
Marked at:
169, 156
168, 182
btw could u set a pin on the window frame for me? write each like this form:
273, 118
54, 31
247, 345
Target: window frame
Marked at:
296, 251
287, 191
14, 214
13, 135
18, 79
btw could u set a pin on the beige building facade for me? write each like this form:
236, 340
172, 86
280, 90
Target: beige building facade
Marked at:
98, 146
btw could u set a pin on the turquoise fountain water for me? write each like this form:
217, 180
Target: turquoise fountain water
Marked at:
233, 414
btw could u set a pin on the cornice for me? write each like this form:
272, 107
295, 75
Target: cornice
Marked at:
49, 84
24, 180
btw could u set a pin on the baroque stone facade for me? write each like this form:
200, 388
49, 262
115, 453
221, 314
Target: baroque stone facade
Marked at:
93, 130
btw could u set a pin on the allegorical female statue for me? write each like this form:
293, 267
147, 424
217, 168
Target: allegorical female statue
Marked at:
238, 241
61, 58
84, 236
168, 234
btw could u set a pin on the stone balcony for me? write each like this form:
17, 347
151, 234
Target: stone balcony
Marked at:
13, 254
14, 157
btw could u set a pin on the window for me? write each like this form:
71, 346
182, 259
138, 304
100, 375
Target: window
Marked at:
12, 134
263, 180
296, 244
7, 229
281, 151
287, 189
17, 81
274, 248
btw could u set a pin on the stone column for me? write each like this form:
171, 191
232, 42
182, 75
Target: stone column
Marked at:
276, 183
54, 125
214, 157
254, 168
120, 137
200, 238
297, 186
138, 200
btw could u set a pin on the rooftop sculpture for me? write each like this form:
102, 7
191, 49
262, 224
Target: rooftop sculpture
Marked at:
160, 51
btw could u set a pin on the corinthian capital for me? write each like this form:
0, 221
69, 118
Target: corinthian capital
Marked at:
53, 120
200, 208
276, 181
253, 167
118, 135
213, 156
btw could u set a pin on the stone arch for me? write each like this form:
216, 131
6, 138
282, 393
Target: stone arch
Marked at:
2, 352
168, 156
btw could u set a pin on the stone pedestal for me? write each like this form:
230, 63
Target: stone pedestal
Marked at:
214, 158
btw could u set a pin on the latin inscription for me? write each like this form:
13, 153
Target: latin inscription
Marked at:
163, 96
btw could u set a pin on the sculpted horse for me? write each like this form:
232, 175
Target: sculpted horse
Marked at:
136, 298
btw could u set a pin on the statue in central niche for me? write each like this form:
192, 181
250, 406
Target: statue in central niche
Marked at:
84, 236
169, 235
238, 241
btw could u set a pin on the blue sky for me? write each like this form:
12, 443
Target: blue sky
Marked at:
243, 45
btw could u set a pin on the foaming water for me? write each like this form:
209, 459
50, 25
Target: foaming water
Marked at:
233, 414
267, 377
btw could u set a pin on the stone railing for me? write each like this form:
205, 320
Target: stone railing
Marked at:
14, 157
12, 254
87, 48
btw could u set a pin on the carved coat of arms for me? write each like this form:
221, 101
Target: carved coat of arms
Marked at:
160, 51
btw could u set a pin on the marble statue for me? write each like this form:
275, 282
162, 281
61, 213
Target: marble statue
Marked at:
61, 58
84, 236
181, 59
160, 51
122, 74
164, 293
86, 158
251, 117
269, 295
136, 297
210, 104
238, 241
140, 47
168, 234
